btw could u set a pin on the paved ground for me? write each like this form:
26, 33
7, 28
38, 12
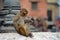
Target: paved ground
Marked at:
37, 36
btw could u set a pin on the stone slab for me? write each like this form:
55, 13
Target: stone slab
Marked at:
37, 36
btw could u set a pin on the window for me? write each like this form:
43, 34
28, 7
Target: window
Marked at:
49, 14
34, 5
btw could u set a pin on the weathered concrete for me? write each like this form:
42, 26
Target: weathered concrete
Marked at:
37, 36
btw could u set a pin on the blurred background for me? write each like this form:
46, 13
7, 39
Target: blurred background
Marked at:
45, 14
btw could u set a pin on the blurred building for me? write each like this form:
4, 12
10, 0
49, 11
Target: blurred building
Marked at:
52, 13
59, 6
52, 9
1, 4
36, 8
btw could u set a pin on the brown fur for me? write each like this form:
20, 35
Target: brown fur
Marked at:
21, 29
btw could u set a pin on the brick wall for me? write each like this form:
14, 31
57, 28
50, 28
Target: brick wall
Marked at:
42, 7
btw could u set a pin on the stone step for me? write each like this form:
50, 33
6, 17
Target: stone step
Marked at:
7, 28
12, 29
36, 36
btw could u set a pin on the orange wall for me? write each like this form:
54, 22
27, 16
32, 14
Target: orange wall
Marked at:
42, 8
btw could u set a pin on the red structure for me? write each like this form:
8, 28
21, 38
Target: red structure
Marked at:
36, 8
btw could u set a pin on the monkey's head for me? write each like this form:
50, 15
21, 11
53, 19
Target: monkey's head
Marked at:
23, 12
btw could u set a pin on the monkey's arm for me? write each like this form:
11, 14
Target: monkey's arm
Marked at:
15, 20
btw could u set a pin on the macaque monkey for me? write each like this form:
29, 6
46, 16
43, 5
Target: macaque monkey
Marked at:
22, 26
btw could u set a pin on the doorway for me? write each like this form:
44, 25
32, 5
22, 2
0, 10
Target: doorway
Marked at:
49, 15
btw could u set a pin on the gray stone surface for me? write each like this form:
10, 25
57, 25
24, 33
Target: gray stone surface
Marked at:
37, 36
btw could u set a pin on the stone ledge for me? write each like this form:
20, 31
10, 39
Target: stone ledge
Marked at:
37, 36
